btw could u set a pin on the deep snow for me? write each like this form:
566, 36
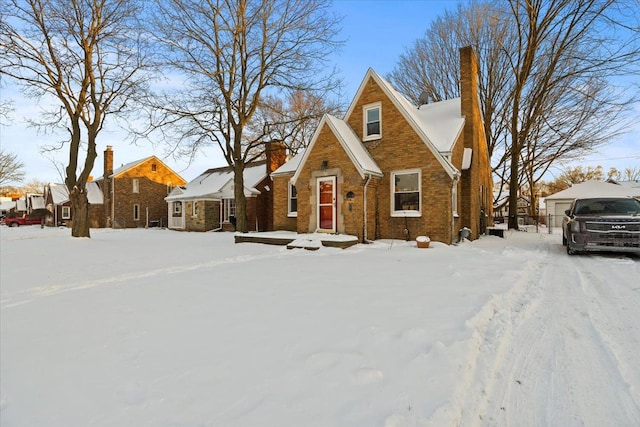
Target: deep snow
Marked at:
162, 328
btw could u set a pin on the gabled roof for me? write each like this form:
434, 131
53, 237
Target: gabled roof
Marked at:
438, 124
349, 141
212, 183
135, 163
60, 194
594, 189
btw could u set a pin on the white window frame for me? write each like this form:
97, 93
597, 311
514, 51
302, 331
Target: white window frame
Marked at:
136, 185
136, 212
194, 208
66, 212
365, 134
229, 206
290, 198
411, 212
177, 207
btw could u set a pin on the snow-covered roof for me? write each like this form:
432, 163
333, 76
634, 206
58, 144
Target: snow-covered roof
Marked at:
60, 194
351, 144
290, 166
7, 205
594, 189
439, 123
212, 184
37, 201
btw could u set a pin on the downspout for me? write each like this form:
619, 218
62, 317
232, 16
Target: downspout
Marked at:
454, 189
364, 231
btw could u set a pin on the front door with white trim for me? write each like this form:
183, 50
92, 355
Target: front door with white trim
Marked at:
326, 202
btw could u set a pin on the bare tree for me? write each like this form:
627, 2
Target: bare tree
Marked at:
11, 168
86, 58
291, 121
232, 53
564, 60
432, 66
548, 78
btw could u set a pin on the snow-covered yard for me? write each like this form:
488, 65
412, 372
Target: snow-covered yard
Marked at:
166, 329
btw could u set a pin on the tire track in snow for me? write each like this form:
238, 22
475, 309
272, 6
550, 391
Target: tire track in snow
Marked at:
541, 347
31, 294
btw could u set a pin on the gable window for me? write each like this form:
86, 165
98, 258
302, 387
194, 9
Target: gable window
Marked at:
229, 209
177, 207
406, 193
372, 122
293, 200
154, 167
136, 212
136, 185
66, 212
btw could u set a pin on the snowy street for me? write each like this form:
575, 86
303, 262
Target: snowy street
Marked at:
162, 328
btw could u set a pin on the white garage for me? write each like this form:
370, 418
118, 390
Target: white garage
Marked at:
557, 203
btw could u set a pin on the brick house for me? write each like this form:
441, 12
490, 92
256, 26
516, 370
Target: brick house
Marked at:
134, 193
391, 169
57, 202
208, 203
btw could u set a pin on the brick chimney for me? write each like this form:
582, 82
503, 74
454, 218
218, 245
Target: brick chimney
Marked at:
276, 153
108, 161
470, 104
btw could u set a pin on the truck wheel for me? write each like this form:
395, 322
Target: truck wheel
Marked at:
14, 224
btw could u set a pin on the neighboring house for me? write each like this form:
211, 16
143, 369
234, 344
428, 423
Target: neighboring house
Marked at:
56, 198
208, 203
28, 203
134, 193
391, 169
501, 208
559, 202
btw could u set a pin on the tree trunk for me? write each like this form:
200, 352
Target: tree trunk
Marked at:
80, 210
241, 200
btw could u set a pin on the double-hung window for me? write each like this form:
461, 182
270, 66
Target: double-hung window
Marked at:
293, 201
66, 212
194, 208
136, 185
372, 122
406, 193
177, 208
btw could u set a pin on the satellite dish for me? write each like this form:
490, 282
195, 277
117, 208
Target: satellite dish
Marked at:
424, 98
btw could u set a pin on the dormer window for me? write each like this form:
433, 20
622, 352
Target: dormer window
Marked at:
372, 122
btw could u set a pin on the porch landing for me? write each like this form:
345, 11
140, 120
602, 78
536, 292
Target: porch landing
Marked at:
310, 241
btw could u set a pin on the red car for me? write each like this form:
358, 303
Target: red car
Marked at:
22, 220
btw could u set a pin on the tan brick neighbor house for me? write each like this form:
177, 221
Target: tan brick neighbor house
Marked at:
134, 193
391, 169
208, 203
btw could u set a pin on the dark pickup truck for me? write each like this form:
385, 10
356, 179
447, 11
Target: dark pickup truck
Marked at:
602, 224
22, 220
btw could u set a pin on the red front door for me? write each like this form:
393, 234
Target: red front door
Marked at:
326, 189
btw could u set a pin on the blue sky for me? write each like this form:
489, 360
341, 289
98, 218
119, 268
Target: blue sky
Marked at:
375, 34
